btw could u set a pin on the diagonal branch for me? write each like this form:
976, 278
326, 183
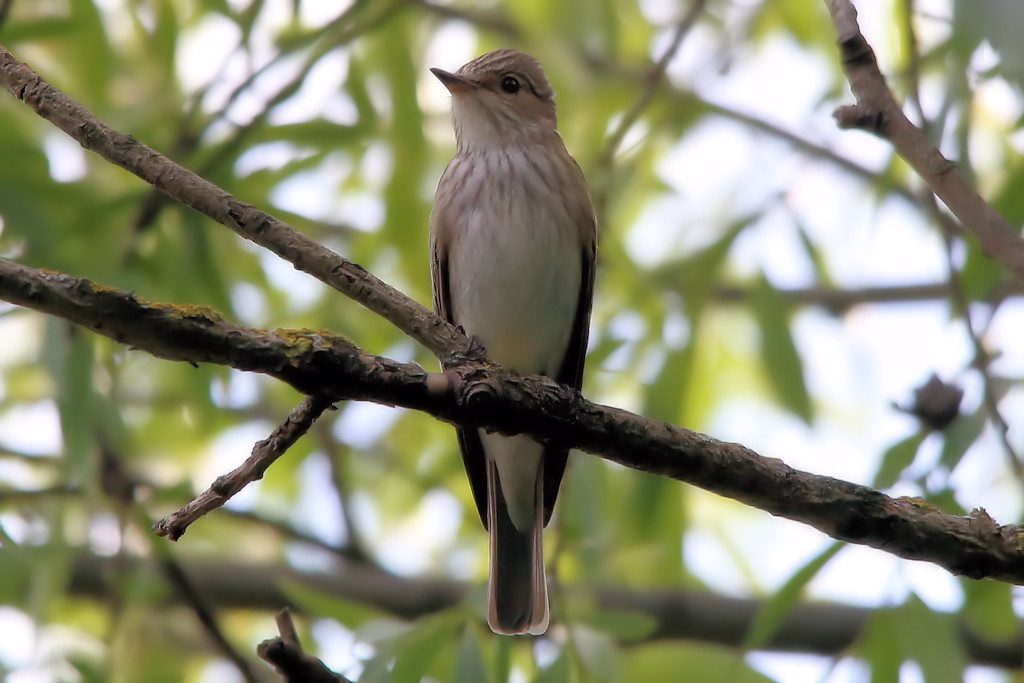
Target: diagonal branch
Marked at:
878, 112
264, 454
654, 80
188, 591
304, 253
485, 396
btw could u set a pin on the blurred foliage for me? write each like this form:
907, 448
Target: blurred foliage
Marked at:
332, 122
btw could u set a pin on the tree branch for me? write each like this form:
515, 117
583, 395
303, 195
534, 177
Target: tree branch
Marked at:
815, 627
285, 654
304, 253
654, 79
264, 453
191, 594
841, 300
878, 112
485, 396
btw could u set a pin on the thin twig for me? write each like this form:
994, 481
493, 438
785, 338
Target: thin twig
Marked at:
285, 654
335, 457
914, 62
188, 141
837, 300
958, 297
120, 486
488, 20
982, 358
33, 459
5, 9
878, 112
191, 596
654, 80
264, 453
291, 533
12, 496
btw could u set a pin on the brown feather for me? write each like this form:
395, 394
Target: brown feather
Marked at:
469, 439
571, 373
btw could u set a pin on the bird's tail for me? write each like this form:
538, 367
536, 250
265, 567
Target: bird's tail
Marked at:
517, 593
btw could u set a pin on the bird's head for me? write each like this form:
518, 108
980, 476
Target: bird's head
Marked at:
500, 98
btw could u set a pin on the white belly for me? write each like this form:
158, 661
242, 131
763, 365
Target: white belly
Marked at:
514, 272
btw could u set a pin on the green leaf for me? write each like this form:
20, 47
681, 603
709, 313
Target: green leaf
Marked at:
560, 670
775, 609
879, 645
897, 458
815, 256
932, 640
694, 663
598, 653
469, 661
960, 436
406, 651
988, 608
425, 641
778, 352
623, 624
70, 355
694, 277
349, 613
663, 399
656, 517
90, 75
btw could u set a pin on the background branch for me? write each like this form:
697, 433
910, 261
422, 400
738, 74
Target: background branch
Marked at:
814, 627
195, 597
653, 82
840, 300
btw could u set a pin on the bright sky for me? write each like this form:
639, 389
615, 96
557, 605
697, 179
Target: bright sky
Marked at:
855, 366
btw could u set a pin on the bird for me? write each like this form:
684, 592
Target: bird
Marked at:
513, 240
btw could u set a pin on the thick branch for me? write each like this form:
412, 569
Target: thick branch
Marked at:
878, 111
822, 628
480, 395
188, 188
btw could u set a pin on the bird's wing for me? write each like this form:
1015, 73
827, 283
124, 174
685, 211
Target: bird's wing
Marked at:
571, 373
469, 438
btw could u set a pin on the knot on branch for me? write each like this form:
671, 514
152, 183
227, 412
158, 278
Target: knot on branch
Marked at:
286, 655
982, 521
477, 390
170, 527
856, 52
871, 120
247, 219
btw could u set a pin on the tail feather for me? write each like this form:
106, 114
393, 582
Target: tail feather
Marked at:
517, 594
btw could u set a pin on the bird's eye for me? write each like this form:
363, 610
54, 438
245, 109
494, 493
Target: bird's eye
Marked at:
510, 85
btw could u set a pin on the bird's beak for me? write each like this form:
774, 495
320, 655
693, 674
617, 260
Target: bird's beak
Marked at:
454, 83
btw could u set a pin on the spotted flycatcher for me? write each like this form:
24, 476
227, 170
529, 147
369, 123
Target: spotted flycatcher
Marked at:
512, 242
